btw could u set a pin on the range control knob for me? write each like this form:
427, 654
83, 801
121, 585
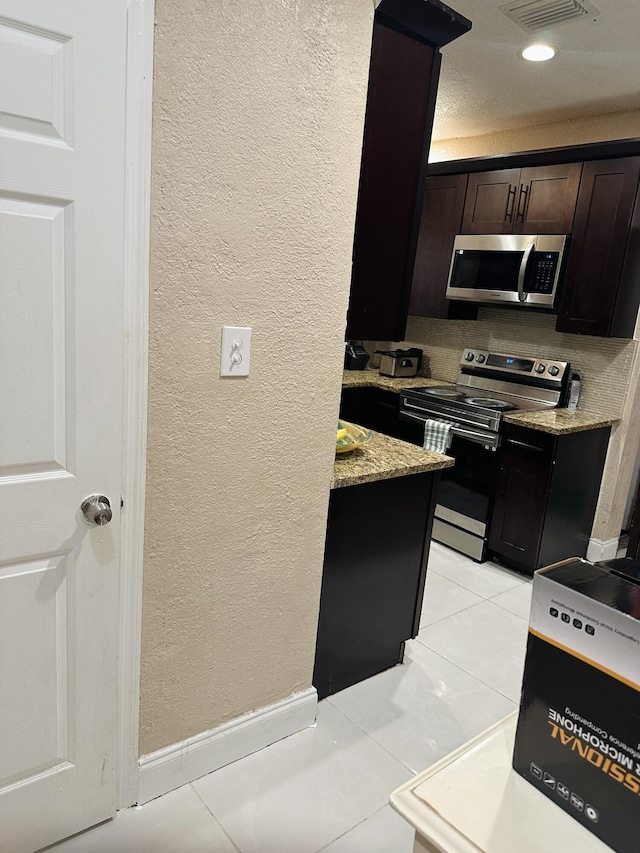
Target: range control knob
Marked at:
540, 368
554, 370
469, 356
481, 358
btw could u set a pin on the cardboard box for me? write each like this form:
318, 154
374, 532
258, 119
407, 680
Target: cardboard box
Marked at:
578, 735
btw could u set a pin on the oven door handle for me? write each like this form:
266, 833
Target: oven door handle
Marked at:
407, 404
491, 440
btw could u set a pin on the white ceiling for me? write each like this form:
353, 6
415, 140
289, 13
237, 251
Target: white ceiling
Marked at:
485, 86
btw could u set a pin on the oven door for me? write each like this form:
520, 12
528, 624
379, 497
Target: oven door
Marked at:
465, 494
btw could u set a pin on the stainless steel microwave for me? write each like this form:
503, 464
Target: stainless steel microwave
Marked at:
519, 269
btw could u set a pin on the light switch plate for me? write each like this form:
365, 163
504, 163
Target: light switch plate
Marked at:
235, 355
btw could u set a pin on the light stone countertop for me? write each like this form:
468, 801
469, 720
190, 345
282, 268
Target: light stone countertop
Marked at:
369, 377
555, 421
383, 458
560, 421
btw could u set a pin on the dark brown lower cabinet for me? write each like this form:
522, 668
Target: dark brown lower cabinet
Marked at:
377, 409
546, 496
375, 567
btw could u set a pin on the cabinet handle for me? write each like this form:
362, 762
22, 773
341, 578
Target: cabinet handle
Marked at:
525, 445
511, 197
524, 192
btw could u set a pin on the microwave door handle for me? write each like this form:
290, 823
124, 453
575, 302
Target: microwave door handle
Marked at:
522, 296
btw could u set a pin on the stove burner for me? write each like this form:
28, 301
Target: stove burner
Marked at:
489, 403
449, 393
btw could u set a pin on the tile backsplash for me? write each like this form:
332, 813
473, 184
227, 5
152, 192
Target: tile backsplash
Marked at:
604, 364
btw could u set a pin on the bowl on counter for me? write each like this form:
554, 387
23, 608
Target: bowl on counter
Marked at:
354, 436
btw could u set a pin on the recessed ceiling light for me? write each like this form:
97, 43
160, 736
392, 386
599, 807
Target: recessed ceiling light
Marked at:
538, 52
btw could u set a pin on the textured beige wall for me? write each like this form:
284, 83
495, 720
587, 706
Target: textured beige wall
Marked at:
572, 132
257, 130
609, 368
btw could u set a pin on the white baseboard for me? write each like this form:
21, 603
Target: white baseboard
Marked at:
599, 550
180, 763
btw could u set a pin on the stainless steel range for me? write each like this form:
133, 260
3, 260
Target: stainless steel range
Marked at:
489, 385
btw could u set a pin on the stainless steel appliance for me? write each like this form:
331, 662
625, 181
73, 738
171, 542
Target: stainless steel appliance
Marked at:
400, 362
489, 385
517, 269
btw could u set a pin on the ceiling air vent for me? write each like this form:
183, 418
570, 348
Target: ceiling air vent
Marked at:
535, 15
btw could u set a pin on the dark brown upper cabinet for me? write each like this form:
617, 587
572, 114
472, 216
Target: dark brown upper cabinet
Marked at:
442, 207
403, 80
531, 200
602, 279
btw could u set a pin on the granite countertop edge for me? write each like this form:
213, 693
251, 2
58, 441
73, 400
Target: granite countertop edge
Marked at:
384, 458
560, 421
370, 378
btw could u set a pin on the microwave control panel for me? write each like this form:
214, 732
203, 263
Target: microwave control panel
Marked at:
542, 272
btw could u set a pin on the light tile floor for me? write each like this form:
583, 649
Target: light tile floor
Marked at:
327, 788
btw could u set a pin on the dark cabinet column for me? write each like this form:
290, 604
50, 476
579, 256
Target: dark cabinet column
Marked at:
602, 280
403, 81
373, 577
398, 122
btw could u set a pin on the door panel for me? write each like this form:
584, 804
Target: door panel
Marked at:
547, 201
442, 207
33, 631
37, 63
34, 327
523, 486
490, 202
592, 303
61, 384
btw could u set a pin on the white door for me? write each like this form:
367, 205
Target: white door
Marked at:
62, 110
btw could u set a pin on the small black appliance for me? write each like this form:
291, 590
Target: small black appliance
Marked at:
355, 357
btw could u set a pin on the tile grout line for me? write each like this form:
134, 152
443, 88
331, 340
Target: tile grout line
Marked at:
346, 832
371, 738
453, 663
449, 615
231, 841
471, 675
468, 606
517, 584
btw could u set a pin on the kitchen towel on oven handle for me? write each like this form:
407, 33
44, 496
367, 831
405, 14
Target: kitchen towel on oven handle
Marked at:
437, 435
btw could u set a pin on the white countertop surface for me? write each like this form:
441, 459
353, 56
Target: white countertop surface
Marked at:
474, 801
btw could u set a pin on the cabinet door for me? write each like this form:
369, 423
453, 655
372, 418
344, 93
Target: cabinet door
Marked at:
519, 510
598, 298
491, 202
547, 199
442, 207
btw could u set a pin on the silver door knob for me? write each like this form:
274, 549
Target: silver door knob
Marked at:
96, 509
